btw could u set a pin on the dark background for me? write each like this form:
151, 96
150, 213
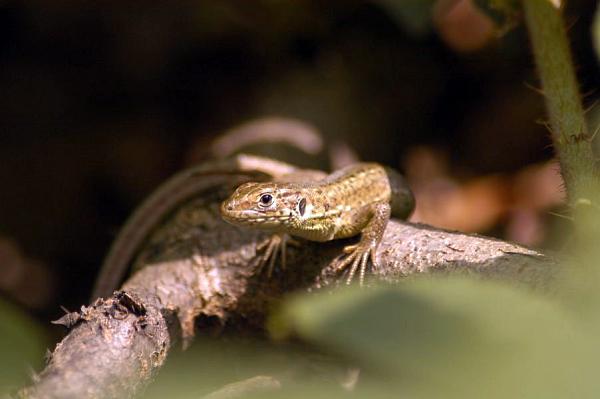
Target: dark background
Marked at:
101, 102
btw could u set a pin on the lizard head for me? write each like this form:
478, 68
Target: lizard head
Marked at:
265, 205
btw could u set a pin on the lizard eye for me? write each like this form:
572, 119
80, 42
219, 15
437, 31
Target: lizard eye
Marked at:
302, 206
265, 200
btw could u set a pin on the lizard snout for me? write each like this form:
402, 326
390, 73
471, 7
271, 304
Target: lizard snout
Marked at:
230, 211
226, 207
227, 204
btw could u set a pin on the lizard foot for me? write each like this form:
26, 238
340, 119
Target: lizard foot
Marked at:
358, 256
274, 245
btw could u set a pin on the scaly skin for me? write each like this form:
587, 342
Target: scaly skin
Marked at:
357, 199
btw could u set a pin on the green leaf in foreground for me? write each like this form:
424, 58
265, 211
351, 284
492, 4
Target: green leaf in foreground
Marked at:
596, 32
21, 348
450, 337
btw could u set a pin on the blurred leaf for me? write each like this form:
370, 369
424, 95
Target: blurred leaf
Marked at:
505, 13
21, 346
414, 16
212, 364
450, 338
596, 32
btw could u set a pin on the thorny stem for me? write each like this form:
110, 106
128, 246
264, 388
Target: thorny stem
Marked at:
563, 101
572, 144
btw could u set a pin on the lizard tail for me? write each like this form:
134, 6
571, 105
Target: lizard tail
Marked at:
403, 200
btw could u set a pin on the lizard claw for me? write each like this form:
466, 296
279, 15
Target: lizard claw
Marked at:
358, 256
348, 249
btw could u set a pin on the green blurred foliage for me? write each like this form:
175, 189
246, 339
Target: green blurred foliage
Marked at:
452, 337
211, 364
596, 32
22, 346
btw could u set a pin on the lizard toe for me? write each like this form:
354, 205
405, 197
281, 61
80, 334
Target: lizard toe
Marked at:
274, 247
357, 259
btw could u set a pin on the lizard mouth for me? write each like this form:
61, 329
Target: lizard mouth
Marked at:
251, 217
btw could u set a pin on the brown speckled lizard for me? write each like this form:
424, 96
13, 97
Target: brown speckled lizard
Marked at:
358, 199
186, 184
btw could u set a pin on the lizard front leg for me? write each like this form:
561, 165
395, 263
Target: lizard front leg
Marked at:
274, 246
371, 235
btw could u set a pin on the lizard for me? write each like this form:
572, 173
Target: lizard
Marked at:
180, 188
357, 199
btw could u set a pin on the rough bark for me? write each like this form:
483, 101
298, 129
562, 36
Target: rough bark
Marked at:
195, 266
